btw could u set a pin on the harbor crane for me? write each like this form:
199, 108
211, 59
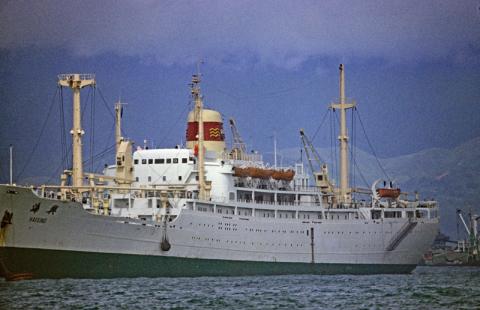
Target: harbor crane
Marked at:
321, 175
239, 149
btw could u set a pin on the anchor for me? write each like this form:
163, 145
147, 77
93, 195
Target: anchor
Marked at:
164, 245
7, 219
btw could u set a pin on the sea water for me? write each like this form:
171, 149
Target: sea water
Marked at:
425, 288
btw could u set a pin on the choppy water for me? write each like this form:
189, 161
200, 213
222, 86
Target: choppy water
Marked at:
426, 288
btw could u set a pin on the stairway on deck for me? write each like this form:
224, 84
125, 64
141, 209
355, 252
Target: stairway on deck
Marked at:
401, 234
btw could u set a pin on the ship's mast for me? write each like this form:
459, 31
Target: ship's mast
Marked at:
76, 82
344, 195
198, 116
118, 124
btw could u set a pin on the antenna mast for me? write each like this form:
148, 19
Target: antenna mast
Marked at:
118, 123
199, 119
343, 138
77, 82
11, 164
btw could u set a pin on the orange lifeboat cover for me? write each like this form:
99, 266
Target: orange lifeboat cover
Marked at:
388, 192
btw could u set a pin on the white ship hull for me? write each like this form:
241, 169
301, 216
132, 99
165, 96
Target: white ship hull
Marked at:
348, 246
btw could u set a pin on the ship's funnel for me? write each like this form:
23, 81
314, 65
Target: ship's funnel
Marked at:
214, 137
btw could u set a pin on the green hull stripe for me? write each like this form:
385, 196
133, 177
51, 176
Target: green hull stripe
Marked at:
73, 264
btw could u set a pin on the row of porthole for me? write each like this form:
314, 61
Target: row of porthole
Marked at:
227, 224
226, 228
243, 242
274, 231
342, 232
206, 225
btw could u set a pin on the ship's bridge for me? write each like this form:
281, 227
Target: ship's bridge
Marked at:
163, 166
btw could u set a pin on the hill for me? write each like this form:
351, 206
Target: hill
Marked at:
451, 176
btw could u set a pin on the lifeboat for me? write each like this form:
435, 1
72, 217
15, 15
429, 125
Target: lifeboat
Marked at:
282, 175
388, 193
240, 172
265, 174
260, 173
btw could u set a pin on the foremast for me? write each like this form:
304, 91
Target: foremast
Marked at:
344, 195
76, 82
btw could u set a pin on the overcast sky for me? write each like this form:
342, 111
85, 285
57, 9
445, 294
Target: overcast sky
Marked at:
413, 67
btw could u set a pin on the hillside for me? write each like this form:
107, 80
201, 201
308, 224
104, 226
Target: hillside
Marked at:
451, 176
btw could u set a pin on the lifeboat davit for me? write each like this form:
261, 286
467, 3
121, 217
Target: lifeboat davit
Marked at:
388, 192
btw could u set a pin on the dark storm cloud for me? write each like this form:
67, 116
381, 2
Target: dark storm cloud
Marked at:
284, 33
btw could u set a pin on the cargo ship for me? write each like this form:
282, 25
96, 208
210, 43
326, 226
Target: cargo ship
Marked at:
204, 209
464, 252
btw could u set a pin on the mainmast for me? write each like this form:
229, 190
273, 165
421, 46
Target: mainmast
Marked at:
198, 117
344, 195
76, 82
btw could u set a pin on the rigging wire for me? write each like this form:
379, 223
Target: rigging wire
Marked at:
110, 137
105, 103
58, 169
100, 155
352, 148
173, 124
63, 133
335, 144
92, 128
371, 147
354, 152
355, 162
321, 124
360, 173
39, 136
95, 157
332, 134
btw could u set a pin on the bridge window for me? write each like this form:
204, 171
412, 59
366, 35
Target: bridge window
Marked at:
150, 161
169, 160
175, 160
135, 161
144, 161
157, 160
184, 160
